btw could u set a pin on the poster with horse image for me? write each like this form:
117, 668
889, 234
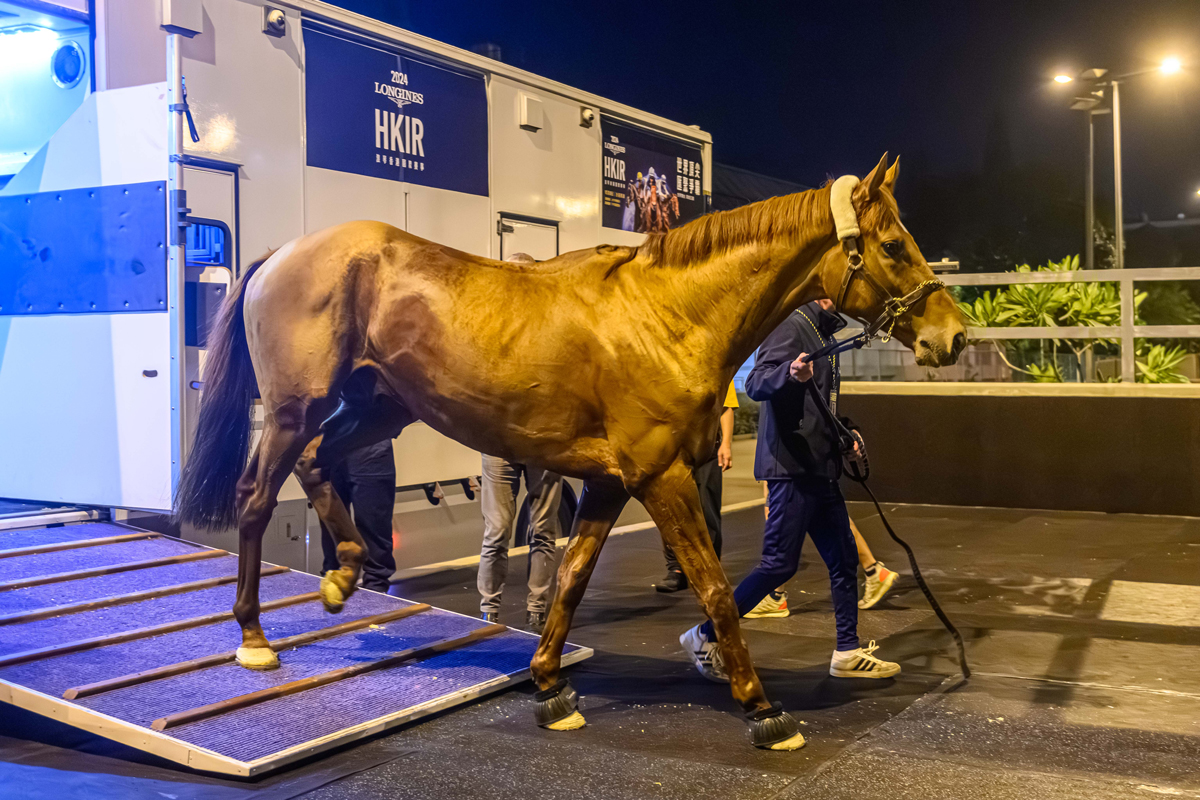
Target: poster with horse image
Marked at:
652, 182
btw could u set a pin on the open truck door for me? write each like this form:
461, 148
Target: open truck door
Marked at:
87, 360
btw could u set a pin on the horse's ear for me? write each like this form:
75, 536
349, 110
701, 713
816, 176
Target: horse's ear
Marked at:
869, 188
889, 180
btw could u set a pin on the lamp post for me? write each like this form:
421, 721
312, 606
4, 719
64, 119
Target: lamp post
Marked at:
1089, 200
1118, 204
1090, 103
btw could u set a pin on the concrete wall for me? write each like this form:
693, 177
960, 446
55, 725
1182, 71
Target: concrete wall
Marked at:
1116, 454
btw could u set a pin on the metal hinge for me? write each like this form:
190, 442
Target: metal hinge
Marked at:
179, 216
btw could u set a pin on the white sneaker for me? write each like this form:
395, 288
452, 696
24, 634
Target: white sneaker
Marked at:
878, 585
773, 605
861, 664
705, 655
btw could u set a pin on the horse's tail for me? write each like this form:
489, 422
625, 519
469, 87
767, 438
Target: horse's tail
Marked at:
205, 497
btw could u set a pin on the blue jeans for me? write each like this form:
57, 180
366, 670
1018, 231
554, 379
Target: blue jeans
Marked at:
815, 507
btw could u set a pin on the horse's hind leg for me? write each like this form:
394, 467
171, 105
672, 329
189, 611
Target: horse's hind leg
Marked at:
674, 504
598, 510
358, 422
284, 437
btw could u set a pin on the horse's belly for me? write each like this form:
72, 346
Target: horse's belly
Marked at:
555, 432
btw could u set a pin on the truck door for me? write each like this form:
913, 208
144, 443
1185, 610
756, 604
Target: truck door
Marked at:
529, 235
209, 268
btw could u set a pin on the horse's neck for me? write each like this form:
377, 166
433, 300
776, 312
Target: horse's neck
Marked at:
745, 293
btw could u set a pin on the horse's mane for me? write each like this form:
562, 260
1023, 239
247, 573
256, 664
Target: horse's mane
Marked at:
777, 217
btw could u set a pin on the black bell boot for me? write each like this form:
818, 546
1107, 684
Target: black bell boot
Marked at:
557, 707
774, 729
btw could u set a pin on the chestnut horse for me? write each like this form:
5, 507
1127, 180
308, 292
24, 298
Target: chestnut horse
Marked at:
607, 364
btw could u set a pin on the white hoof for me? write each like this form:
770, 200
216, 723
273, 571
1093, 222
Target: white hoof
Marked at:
791, 743
331, 596
571, 723
257, 658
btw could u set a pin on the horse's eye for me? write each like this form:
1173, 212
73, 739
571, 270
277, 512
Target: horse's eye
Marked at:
893, 248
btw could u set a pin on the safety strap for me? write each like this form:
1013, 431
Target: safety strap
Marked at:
183, 108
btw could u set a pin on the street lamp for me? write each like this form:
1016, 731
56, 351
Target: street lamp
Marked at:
1089, 103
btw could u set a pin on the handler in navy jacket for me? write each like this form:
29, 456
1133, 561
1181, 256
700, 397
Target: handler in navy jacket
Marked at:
799, 457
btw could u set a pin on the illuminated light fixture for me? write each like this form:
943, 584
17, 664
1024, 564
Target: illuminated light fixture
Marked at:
1063, 79
1171, 65
26, 47
68, 65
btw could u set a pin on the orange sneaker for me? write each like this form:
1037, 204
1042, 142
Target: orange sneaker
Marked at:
773, 605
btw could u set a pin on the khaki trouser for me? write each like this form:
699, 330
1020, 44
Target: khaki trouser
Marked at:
501, 480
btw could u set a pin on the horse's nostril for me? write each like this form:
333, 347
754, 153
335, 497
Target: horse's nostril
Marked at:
958, 345
925, 344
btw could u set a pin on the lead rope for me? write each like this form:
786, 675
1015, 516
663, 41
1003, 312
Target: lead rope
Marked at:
844, 435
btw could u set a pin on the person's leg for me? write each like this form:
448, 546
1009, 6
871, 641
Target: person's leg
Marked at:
880, 579
775, 604
545, 496
830, 532
783, 535
340, 480
865, 556
373, 475
672, 561
497, 496
708, 481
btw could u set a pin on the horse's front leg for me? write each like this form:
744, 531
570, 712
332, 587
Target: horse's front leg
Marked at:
599, 508
674, 503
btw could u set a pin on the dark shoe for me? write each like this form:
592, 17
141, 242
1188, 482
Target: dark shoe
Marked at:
535, 621
490, 616
674, 582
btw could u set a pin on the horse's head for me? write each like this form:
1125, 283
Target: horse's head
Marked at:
878, 275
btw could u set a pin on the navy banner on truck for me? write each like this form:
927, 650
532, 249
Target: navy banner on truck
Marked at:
652, 182
380, 112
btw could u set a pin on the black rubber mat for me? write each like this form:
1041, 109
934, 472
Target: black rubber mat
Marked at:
1067, 701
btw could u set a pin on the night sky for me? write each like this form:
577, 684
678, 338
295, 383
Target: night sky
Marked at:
803, 90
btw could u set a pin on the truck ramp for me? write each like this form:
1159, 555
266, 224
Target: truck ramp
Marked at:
129, 634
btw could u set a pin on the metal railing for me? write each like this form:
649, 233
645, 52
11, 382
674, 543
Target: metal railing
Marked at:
1125, 333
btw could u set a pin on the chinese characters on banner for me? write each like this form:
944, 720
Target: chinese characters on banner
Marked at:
652, 182
379, 112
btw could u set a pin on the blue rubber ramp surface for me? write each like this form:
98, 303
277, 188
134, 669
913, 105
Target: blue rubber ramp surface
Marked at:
251, 739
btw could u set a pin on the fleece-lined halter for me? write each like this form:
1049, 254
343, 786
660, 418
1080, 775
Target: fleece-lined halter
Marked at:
845, 221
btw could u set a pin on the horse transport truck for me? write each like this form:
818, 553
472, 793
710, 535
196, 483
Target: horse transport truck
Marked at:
154, 147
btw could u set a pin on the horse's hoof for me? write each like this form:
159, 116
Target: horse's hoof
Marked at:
774, 729
557, 708
257, 658
571, 723
331, 596
794, 743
